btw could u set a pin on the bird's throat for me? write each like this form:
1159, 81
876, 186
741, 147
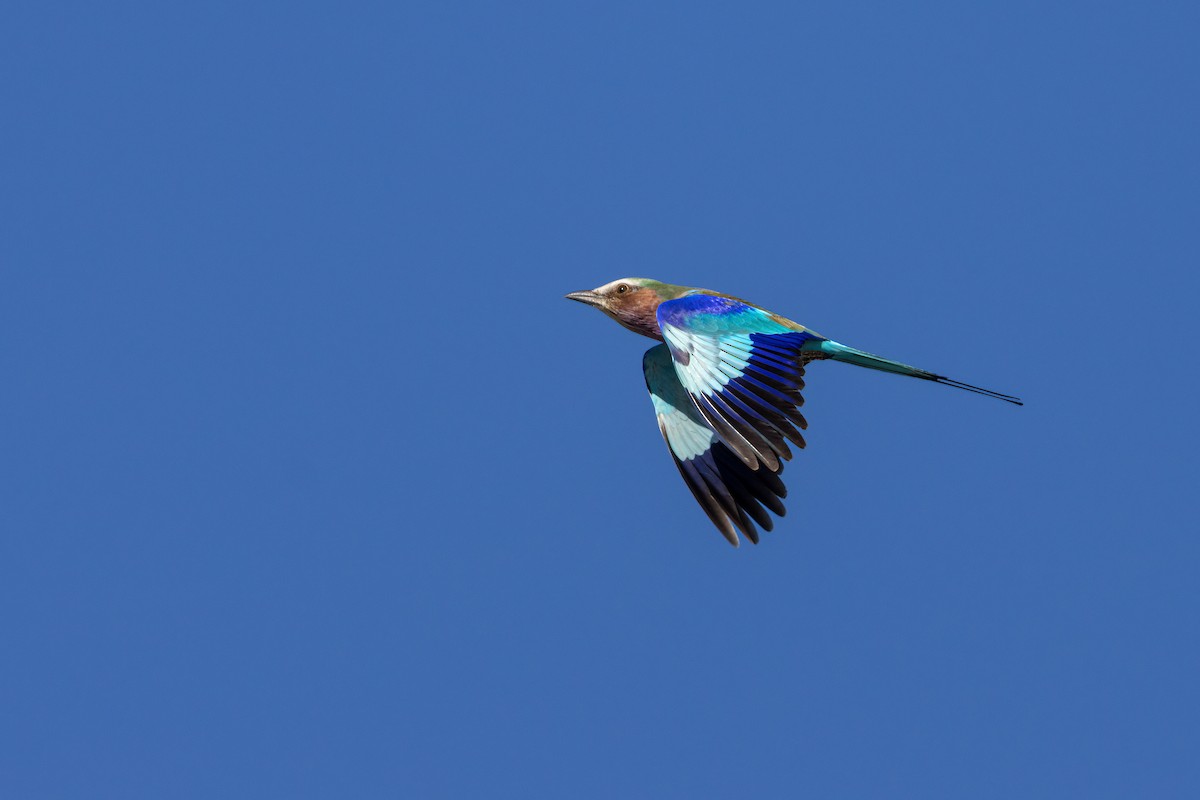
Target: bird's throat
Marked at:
640, 315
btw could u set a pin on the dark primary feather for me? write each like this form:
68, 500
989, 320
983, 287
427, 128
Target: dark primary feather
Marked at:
732, 494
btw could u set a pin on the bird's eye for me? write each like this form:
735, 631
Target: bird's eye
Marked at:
622, 289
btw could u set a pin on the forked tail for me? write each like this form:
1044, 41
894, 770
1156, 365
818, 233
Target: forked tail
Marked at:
840, 352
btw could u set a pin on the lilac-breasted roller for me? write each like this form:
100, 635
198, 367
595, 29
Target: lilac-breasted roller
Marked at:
726, 386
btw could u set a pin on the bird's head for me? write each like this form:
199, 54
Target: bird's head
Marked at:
633, 302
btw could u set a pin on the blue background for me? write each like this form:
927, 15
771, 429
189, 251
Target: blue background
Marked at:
314, 486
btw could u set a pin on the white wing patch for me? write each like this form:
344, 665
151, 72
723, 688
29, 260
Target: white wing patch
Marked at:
686, 437
685, 431
699, 360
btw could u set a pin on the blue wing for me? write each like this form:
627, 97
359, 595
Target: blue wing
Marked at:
732, 494
743, 369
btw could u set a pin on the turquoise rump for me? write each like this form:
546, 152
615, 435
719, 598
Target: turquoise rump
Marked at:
725, 384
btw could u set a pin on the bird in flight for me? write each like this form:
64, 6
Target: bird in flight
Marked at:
725, 384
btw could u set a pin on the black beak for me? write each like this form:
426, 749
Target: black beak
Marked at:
587, 297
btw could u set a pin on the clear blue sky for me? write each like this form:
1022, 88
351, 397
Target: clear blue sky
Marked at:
314, 486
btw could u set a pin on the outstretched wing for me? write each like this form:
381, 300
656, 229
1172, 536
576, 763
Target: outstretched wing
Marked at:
743, 369
731, 493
